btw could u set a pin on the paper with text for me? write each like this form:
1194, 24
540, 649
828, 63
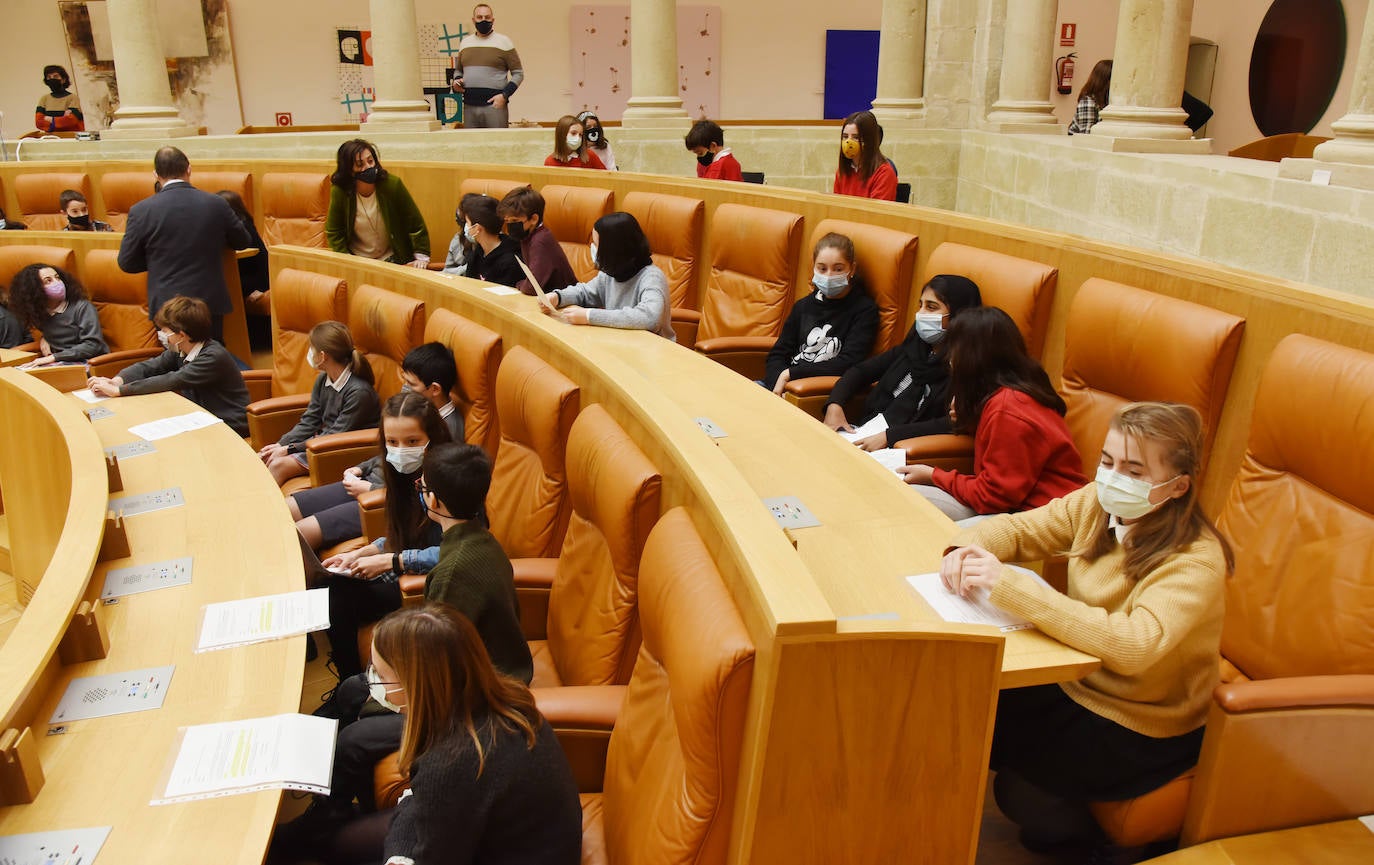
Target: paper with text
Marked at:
891, 459
281, 752
973, 610
257, 620
88, 395
863, 431
175, 425
63, 847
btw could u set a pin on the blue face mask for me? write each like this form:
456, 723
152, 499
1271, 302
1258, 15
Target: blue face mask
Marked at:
831, 285
405, 460
930, 327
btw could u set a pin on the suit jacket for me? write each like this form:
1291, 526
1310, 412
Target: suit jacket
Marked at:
178, 237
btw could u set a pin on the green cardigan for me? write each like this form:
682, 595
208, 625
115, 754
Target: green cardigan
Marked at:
404, 223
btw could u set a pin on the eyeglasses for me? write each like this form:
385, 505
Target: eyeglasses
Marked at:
420, 486
374, 679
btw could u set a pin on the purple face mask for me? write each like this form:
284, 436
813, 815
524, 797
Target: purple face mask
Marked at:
56, 290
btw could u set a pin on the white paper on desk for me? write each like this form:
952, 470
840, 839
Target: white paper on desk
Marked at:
1368, 822
281, 752
891, 459
113, 694
63, 847
974, 610
863, 431
170, 426
257, 620
502, 290
87, 395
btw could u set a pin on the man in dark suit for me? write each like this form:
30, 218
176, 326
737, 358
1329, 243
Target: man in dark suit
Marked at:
178, 237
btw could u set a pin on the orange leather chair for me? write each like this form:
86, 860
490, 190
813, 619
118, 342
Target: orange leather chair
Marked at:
300, 301
1021, 288
39, 197
886, 261
120, 191
528, 504
234, 181
1287, 741
1123, 344
673, 224
477, 352
583, 602
750, 287
121, 301
15, 258
294, 206
570, 212
494, 186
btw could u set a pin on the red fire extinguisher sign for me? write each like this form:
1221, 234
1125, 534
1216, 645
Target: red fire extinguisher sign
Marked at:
1067, 34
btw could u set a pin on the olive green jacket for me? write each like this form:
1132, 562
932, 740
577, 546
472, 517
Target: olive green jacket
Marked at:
404, 223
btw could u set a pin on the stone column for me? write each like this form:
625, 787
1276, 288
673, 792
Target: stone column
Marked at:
1023, 95
1354, 141
901, 64
400, 105
655, 98
1150, 64
145, 108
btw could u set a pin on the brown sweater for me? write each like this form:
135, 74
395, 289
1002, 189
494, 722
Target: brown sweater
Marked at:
1158, 637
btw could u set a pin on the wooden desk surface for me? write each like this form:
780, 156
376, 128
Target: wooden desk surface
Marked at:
1348, 842
14, 357
103, 772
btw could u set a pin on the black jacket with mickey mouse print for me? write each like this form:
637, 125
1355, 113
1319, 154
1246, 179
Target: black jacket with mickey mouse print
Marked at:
823, 336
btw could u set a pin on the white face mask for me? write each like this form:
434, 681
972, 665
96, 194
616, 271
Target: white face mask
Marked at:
593, 251
405, 460
470, 232
1125, 497
311, 357
164, 338
574, 141
378, 691
830, 284
930, 327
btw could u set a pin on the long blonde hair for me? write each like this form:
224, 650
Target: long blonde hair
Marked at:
1177, 522
451, 687
333, 338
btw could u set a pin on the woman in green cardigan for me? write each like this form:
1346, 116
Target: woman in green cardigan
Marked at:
370, 212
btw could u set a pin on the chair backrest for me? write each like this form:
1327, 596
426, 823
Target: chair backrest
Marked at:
477, 351
673, 761
294, 206
1123, 345
496, 187
753, 265
385, 327
121, 190
593, 628
1300, 517
1021, 288
15, 258
121, 301
39, 197
528, 505
234, 181
887, 265
674, 225
300, 300
570, 212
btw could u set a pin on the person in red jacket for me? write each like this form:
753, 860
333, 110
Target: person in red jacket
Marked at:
706, 140
863, 170
59, 110
570, 148
1023, 454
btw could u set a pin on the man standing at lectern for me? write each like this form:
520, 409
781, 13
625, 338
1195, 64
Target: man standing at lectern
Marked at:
178, 237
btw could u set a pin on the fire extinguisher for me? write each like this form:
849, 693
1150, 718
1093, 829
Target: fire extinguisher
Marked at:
1063, 73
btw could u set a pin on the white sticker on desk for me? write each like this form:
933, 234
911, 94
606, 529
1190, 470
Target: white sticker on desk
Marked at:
145, 578
113, 694
130, 450
501, 290
791, 513
99, 413
709, 427
1368, 822
142, 503
64, 847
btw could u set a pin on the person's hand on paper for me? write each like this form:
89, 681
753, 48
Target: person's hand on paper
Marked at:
916, 473
835, 419
549, 303
371, 567
575, 315
101, 386
783, 378
271, 452
967, 568
353, 482
875, 442
344, 561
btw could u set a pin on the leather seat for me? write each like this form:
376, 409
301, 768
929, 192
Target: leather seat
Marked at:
121, 301
1123, 345
570, 212
496, 187
528, 505
294, 207
886, 262
120, 191
477, 352
588, 595
751, 284
1287, 741
39, 197
15, 258
673, 224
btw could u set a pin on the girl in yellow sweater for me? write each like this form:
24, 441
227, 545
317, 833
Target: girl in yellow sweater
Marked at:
1145, 576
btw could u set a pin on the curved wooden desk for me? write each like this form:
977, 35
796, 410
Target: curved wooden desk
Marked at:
103, 772
1342, 843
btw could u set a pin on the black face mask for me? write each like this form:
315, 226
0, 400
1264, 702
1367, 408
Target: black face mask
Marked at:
368, 175
706, 158
55, 85
593, 136
484, 27
516, 230
83, 221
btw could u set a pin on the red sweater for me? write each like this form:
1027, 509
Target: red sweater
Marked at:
724, 167
573, 162
1023, 457
883, 184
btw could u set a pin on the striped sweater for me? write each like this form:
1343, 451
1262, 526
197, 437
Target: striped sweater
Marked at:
488, 65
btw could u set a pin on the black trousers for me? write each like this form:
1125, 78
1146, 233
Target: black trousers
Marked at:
353, 604
363, 740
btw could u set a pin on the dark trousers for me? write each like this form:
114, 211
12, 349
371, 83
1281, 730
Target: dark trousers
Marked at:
363, 740
353, 604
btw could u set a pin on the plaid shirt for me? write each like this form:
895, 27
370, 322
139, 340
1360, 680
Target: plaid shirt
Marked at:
1085, 117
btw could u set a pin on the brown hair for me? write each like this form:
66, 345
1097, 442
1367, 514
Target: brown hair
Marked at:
522, 201
834, 240
986, 353
1177, 522
333, 338
406, 519
451, 687
870, 145
188, 315
1099, 84
343, 168
561, 151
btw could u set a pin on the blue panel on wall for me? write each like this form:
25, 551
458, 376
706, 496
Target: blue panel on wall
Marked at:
851, 71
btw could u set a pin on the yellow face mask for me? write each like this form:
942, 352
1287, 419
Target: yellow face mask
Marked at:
850, 148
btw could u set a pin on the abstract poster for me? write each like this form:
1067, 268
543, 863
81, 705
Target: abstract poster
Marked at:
600, 54
438, 51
